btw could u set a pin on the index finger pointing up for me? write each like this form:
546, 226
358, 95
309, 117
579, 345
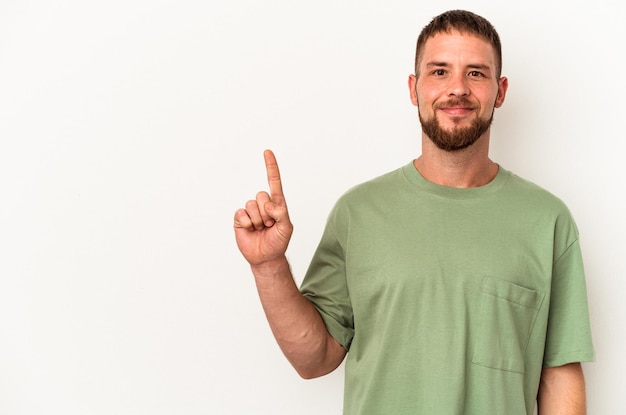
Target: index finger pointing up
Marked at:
273, 177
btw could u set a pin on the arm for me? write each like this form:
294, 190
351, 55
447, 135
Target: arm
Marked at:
562, 391
296, 324
263, 230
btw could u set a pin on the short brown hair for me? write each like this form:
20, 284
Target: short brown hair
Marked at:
464, 22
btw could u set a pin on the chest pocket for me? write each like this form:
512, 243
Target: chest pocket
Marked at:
507, 314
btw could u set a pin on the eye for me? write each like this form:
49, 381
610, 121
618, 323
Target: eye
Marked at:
439, 72
475, 74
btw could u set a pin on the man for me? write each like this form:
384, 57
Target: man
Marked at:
456, 286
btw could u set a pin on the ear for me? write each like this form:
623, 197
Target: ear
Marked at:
503, 85
412, 88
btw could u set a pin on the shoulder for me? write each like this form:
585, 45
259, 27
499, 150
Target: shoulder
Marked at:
528, 193
372, 195
540, 206
379, 187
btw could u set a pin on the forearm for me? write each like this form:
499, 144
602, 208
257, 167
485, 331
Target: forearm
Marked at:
562, 391
295, 323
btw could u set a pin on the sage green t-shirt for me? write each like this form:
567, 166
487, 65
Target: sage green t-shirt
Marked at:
450, 301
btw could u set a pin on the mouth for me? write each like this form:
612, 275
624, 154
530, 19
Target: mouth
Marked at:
457, 111
456, 108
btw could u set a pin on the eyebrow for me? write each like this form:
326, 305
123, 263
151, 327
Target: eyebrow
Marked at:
479, 66
429, 64
471, 66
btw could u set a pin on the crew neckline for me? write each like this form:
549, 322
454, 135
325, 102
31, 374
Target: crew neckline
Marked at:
416, 179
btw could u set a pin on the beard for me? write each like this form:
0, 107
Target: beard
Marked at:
454, 139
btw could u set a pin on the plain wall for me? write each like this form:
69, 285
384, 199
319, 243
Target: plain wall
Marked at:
131, 130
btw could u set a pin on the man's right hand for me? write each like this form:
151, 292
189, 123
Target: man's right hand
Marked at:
263, 228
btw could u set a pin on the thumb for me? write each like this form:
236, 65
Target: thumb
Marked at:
275, 211
270, 212
280, 216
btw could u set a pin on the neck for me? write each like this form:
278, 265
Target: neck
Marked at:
470, 167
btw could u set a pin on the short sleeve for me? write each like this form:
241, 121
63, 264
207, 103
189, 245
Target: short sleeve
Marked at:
325, 286
569, 332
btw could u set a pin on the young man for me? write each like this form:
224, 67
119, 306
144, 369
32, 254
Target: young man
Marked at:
456, 286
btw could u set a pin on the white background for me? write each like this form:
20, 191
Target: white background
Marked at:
131, 130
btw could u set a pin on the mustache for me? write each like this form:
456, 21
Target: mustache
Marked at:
456, 102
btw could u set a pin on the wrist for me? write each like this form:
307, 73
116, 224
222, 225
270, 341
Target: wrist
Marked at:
271, 268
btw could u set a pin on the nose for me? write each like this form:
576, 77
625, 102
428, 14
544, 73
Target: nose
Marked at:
458, 86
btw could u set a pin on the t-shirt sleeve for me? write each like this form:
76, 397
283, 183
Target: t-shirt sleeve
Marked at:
569, 333
325, 286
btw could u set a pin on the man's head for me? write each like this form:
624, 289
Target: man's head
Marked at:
464, 22
457, 82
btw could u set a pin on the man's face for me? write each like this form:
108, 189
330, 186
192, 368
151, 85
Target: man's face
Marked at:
456, 89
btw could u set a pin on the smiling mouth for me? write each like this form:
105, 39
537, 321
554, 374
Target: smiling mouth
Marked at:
456, 107
457, 111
